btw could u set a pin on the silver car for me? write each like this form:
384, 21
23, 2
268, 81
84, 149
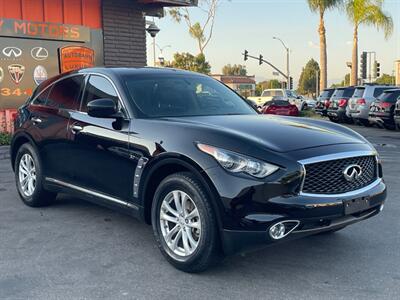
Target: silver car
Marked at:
363, 97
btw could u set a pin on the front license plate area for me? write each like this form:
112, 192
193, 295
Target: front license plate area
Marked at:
356, 205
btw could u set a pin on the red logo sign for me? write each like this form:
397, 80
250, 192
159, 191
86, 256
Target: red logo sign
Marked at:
75, 58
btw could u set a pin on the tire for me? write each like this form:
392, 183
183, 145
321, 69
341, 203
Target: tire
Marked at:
32, 192
195, 257
389, 126
334, 120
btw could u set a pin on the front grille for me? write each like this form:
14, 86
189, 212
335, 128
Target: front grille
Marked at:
327, 177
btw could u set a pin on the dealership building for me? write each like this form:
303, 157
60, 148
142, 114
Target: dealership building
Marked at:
42, 38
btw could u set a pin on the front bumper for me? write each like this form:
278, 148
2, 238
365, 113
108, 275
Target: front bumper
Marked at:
315, 214
235, 241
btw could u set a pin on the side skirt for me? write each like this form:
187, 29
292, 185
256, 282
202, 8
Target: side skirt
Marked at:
95, 197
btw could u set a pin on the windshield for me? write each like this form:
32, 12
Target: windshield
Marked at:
271, 93
181, 96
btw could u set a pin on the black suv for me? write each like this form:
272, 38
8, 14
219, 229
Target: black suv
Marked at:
382, 110
338, 105
321, 107
184, 153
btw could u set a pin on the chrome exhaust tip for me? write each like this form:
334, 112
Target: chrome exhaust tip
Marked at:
282, 229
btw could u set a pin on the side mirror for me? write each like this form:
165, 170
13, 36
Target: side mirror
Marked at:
102, 108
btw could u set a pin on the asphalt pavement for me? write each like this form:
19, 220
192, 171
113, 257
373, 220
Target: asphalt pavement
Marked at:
77, 250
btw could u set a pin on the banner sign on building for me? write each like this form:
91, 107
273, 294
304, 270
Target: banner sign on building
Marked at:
43, 30
75, 58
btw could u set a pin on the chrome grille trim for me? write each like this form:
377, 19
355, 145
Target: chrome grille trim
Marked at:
337, 156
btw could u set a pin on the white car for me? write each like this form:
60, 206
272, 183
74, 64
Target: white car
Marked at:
291, 96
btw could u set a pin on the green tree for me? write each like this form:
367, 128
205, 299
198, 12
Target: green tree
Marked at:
202, 32
366, 12
235, 70
320, 7
267, 84
345, 82
187, 61
308, 78
386, 79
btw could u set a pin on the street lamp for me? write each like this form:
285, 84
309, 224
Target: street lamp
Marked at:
152, 29
161, 58
287, 60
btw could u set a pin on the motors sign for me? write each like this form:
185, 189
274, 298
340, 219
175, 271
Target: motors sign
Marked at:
44, 30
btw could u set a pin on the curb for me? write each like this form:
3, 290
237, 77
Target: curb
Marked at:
4, 152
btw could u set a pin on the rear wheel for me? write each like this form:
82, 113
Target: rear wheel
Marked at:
29, 178
334, 120
389, 126
184, 223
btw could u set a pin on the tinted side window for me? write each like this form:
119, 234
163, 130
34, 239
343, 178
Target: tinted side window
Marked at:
66, 93
98, 87
42, 98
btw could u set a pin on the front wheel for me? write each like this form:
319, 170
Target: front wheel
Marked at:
29, 178
184, 223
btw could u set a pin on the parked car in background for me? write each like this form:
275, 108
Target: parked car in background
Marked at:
289, 95
307, 103
397, 114
359, 104
382, 110
338, 104
322, 104
280, 106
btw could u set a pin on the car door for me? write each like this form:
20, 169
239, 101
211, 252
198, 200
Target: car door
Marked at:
101, 158
50, 112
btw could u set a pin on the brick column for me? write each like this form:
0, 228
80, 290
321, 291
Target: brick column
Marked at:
124, 34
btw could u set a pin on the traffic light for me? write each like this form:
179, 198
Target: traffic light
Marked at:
260, 60
291, 83
377, 70
363, 65
246, 55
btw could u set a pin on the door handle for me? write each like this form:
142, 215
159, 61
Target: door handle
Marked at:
36, 120
76, 128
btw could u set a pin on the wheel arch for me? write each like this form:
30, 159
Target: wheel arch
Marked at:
167, 165
18, 140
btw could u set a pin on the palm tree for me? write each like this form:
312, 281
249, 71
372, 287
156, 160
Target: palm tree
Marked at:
366, 12
320, 7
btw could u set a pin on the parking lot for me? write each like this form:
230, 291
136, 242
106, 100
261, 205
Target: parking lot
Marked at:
75, 249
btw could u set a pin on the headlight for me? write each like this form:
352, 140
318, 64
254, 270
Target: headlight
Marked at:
237, 163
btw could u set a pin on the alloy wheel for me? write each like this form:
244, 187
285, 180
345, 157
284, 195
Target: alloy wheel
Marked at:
180, 223
27, 175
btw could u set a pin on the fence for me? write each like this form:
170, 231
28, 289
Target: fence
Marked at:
7, 118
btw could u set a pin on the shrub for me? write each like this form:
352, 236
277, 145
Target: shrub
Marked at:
5, 138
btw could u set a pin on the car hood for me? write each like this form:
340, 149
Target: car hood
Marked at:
280, 134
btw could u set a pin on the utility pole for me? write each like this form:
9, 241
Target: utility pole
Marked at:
316, 83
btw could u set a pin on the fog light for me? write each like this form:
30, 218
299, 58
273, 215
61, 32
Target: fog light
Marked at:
282, 229
381, 208
277, 231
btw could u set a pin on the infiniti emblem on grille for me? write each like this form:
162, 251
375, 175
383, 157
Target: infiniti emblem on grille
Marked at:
352, 172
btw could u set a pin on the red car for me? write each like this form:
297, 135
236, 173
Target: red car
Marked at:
280, 107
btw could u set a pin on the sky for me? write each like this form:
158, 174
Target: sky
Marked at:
252, 24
